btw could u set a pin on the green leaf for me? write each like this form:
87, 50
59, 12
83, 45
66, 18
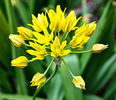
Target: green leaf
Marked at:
107, 13
4, 82
110, 90
104, 74
5, 48
92, 97
31, 5
21, 81
108, 75
23, 12
19, 73
16, 97
54, 88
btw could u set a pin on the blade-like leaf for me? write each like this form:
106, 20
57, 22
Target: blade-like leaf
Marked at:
98, 33
104, 74
16, 97
92, 97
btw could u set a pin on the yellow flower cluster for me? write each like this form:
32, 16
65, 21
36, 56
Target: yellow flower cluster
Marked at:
49, 38
82, 35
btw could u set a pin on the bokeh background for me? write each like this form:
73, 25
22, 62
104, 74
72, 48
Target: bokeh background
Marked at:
98, 70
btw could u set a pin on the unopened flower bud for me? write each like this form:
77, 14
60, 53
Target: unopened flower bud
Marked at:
38, 79
97, 48
78, 82
17, 40
25, 32
20, 62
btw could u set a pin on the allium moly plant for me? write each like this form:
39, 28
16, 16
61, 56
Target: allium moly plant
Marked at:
49, 38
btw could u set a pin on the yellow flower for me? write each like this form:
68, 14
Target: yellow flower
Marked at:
97, 48
82, 35
17, 40
40, 23
56, 19
20, 62
86, 29
78, 41
70, 22
39, 51
78, 82
43, 39
25, 32
59, 49
90, 28
38, 79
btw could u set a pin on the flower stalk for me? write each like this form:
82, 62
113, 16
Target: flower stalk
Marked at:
49, 66
87, 51
67, 67
38, 89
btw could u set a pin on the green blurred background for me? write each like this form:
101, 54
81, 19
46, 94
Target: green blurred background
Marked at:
98, 70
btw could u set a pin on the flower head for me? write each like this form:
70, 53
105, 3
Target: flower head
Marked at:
50, 37
82, 35
40, 23
39, 51
78, 82
97, 48
56, 19
38, 79
59, 49
70, 22
20, 62
43, 39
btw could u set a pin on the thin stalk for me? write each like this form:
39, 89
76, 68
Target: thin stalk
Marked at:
38, 89
84, 7
49, 66
87, 51
59, 35
64, 36
67, 67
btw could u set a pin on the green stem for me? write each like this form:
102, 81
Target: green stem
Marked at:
67, 67
38, 89
64, 36
81, 51
59, 35
49, 66
9, 14
84, 7
21, 87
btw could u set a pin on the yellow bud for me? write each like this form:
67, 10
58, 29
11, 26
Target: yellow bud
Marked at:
97, 48
20, 62
78, 82
25, 32
17, 40
38, 79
